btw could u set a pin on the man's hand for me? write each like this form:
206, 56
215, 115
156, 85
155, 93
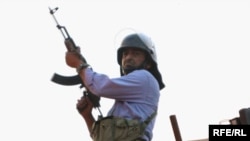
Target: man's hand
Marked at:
84, 106
73, 58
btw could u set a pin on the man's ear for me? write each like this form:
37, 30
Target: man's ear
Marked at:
149, 64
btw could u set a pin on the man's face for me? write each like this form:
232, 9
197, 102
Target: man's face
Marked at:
132, 58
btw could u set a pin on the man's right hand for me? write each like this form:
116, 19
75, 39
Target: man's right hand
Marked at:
84, 106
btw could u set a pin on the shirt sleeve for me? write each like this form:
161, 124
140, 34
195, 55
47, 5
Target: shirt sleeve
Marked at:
129, 87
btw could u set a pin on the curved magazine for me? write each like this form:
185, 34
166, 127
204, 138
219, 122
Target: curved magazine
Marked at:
66, 80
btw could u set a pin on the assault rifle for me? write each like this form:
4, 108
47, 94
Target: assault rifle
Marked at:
72, 80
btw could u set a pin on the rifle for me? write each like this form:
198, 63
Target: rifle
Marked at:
72, 80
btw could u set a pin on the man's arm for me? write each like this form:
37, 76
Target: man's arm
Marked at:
84, 107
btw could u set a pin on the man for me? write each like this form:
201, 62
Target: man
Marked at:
136, 92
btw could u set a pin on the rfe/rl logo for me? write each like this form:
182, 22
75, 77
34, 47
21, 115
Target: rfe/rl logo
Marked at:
228, 132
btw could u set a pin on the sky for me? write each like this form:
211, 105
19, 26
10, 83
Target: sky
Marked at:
202, 48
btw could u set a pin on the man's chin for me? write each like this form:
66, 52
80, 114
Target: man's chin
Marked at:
129, 67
